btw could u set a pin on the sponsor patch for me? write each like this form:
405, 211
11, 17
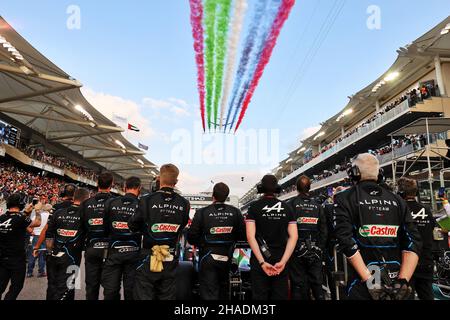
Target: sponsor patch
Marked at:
95, 222
307, 220
120, 225
221, 230
67, 233
165, 227
378, 230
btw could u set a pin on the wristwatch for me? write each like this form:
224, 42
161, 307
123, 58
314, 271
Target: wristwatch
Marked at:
262, 263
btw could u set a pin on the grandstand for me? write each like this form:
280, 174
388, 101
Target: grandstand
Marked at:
49, 126
403, 117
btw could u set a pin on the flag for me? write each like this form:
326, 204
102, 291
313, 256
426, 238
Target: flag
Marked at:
133, 128
143, 146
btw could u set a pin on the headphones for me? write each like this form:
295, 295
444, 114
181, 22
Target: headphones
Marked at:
261, 189
355, 174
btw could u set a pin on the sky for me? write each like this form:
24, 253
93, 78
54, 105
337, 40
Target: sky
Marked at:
136, 60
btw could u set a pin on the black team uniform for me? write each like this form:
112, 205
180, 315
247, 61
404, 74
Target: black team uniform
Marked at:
422, 280
373, 220
13, 233
96, 242
271, 217
215, 229
305, 268
123, 252
161, 218
65, 228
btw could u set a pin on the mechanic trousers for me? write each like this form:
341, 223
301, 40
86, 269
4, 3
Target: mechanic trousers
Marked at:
94, 260
214, 278
118, 267
306, 276
155, 285
62, 273
423, 286
12, 270
265, 287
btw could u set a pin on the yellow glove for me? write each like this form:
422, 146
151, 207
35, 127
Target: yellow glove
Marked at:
159, 254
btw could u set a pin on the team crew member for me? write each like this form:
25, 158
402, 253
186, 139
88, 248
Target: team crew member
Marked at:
65, 239
422, 281
161, 218
67, 197
215, 229
272, 236
67, 201
305, 268
13, 230
123, 252
330, 246
374, 228
96, 241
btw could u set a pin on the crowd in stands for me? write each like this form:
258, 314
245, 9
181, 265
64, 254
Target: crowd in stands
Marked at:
418, 141
59, 162
31, 185
413, 97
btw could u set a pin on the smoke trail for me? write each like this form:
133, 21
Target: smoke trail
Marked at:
265, 29
248, 48
281, 18
197, 33
233, 43
210, 21
223, 23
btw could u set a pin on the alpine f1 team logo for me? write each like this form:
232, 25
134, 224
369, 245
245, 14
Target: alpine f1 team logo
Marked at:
165, 227
95, 222
221, 230
120, 225
307, 220
377, 230
67, 233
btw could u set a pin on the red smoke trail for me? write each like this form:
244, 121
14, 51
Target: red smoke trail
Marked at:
281, 18
197, 33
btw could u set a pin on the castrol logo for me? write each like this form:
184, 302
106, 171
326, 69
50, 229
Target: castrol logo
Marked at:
221, 230
307, 220
120, 225
96, 222
67, 233
165, 227
381, 231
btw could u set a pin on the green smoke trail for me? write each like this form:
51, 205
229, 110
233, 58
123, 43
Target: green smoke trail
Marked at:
210, 22
223, 23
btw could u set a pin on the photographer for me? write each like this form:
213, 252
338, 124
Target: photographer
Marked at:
272, 236
305, 268
13, 230
422, 281
374, 228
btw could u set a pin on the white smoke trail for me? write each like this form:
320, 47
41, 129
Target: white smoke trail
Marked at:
233, 44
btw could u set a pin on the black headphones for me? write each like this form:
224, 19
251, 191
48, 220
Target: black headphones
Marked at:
261, 189
355, 174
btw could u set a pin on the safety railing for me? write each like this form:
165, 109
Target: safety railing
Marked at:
367, 129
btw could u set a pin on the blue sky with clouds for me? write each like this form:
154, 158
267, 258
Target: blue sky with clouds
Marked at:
135, 59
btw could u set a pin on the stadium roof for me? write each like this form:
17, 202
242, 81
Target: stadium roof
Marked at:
424, 125
38, 94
